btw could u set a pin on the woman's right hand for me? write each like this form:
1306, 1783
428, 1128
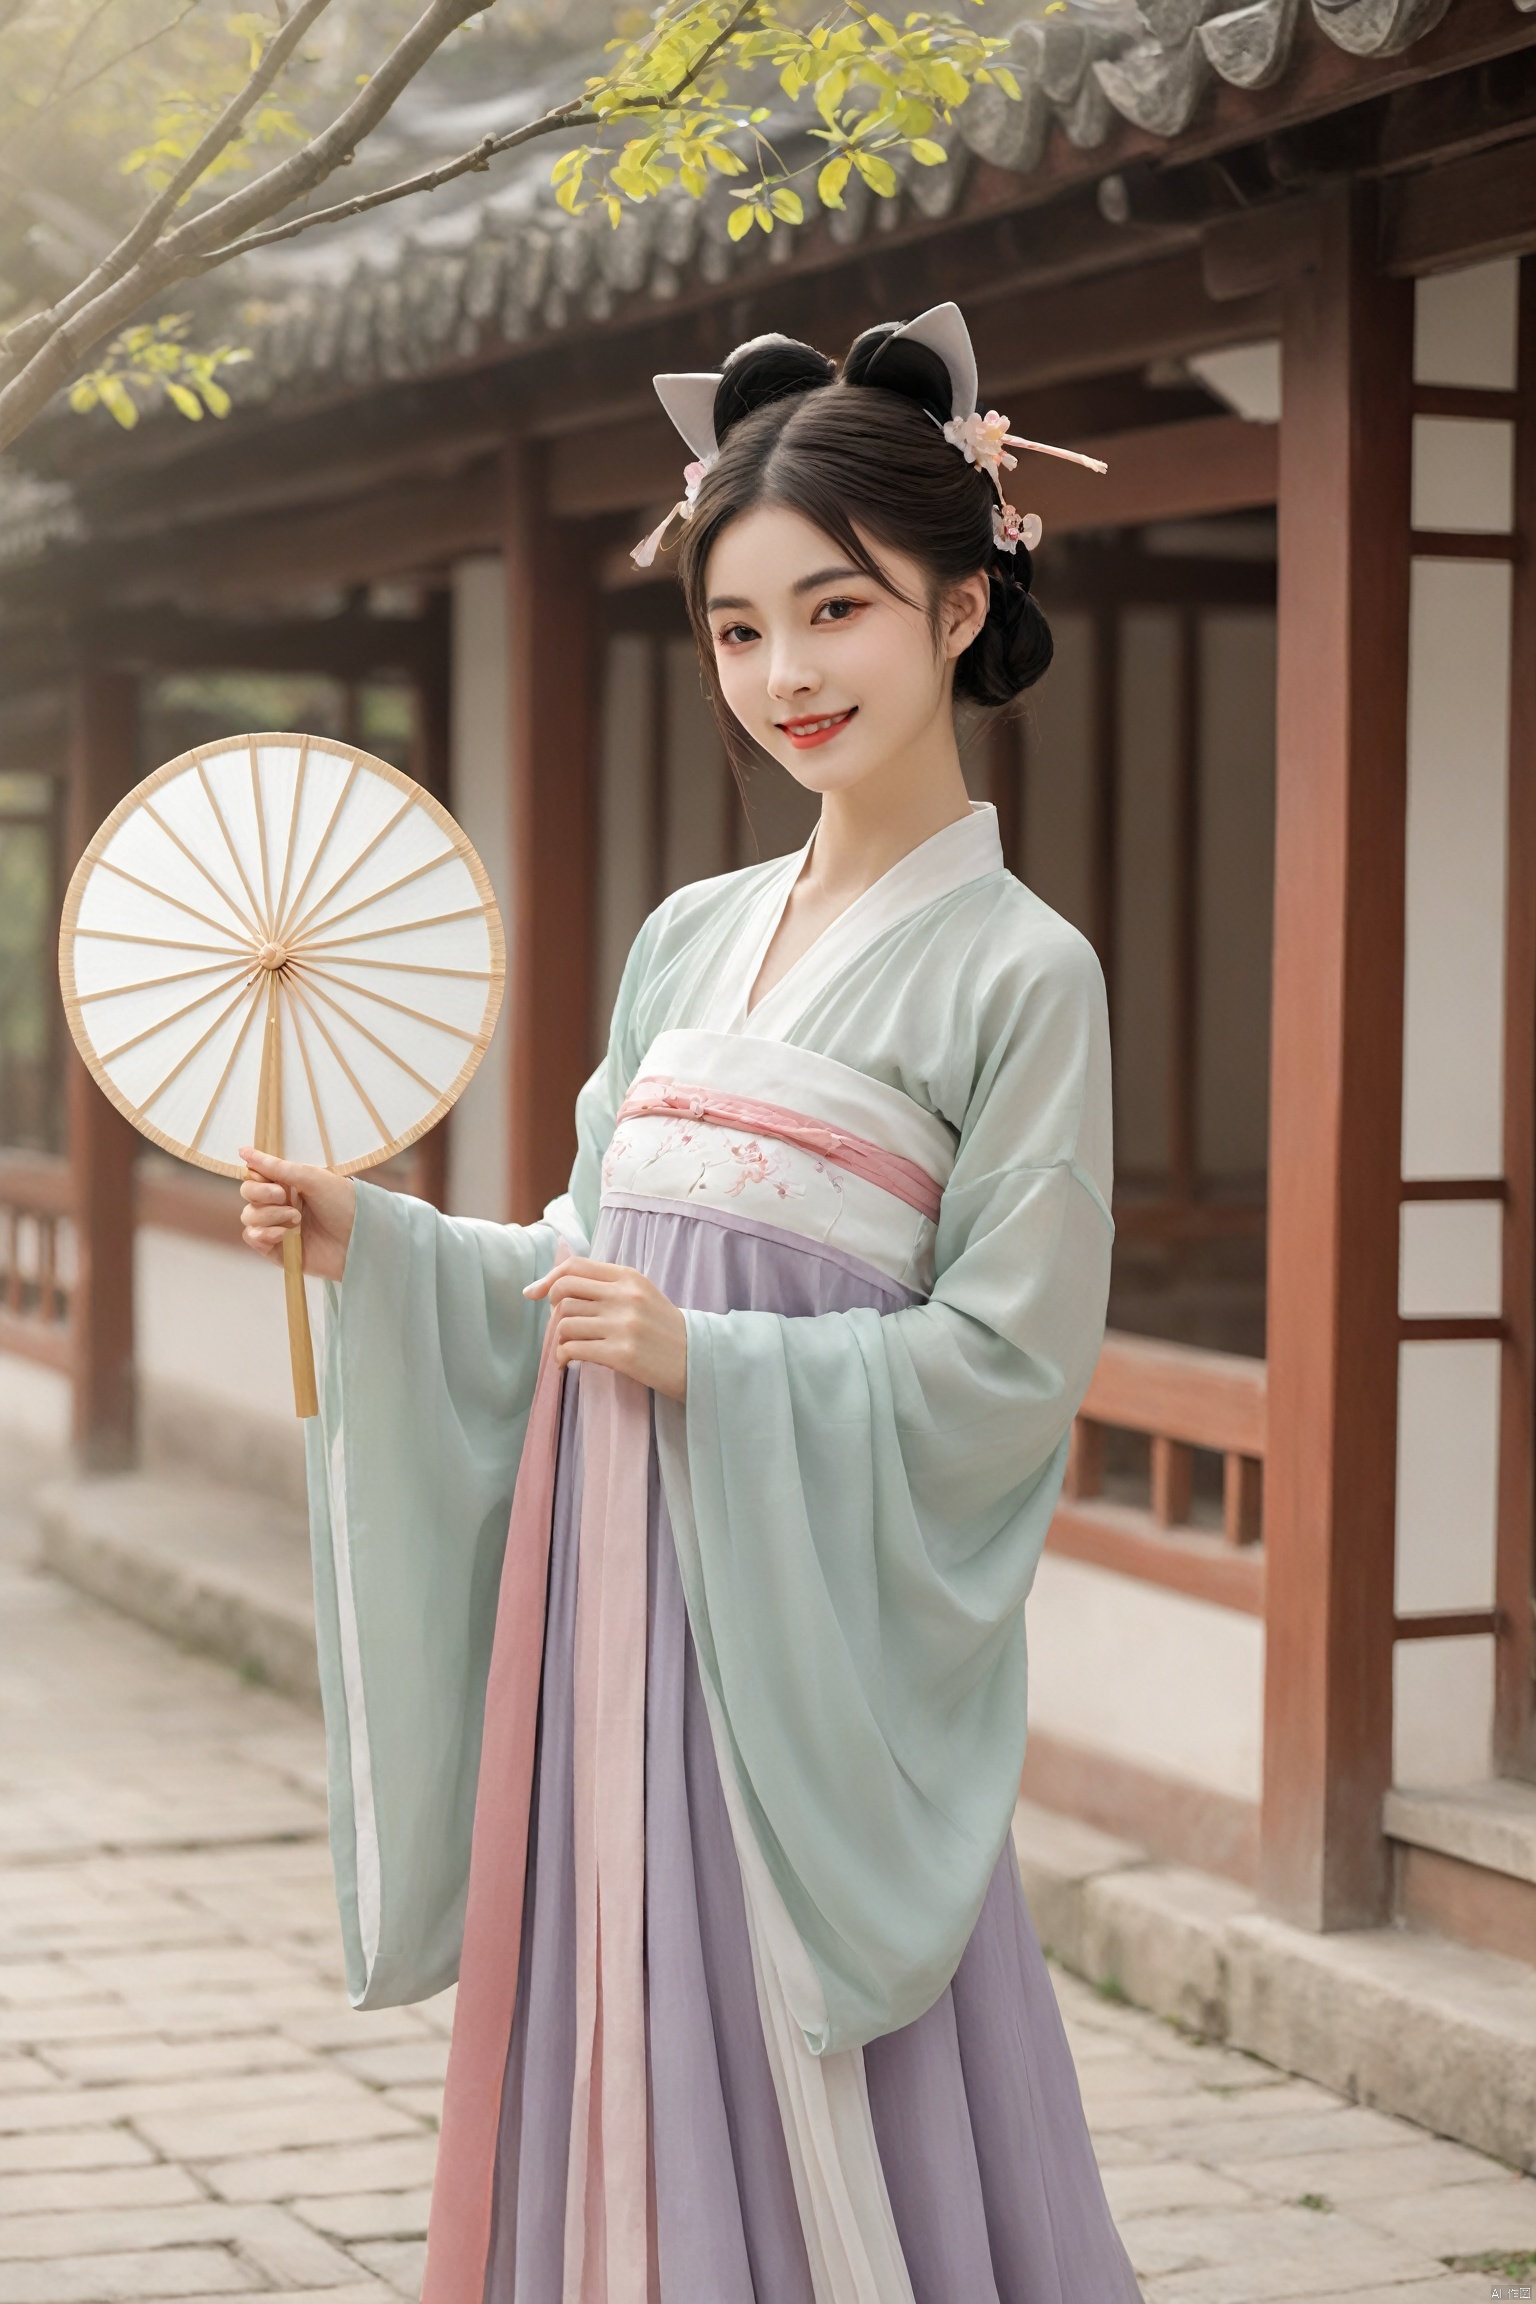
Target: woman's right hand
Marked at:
280, 1194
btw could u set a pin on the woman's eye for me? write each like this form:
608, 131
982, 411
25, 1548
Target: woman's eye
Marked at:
733, 635
836, 611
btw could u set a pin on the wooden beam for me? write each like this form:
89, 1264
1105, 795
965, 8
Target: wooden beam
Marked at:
551, 677
1336, 1094
1462, 213
1130, 1542
102, 1144
1514, 1723
1148, 311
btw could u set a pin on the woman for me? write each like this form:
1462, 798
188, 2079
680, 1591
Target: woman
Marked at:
750, 2010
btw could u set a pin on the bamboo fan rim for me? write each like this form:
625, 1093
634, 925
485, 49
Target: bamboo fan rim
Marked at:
355, 756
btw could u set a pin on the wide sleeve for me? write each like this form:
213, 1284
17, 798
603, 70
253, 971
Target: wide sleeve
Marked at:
859, 1503
430, 1356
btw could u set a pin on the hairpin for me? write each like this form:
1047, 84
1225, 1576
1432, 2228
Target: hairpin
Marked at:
982, 440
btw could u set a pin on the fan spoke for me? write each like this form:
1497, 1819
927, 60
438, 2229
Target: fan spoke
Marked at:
325, 840
403, 967
234, 853
345, 875
417, 872
240, 1037
400, 928
153, 983
293, 828
222, 894
314, 1092
106, 864
373, 1039
162, 943
268, 915
363, 1096
382, 999
197, 1046
110, 1055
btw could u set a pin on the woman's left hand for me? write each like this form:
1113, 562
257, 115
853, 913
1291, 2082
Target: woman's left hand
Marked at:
613, 1316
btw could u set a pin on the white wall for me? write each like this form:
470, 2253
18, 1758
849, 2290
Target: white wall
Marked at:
1170, 1684
1453, 1089
480, 795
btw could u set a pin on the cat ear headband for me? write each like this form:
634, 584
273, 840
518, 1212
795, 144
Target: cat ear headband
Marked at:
982, 440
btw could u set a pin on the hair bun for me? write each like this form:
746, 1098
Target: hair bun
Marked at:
1013, 648
764, 369
885, 357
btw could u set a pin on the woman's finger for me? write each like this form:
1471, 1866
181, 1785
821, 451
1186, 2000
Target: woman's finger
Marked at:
258, 1195
282, 1214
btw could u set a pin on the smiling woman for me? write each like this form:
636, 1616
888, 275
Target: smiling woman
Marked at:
714, 1825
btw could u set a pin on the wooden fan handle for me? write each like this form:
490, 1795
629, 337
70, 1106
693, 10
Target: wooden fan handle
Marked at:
301, 1350
269, 1138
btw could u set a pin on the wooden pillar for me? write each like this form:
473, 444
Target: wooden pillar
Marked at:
551, 671
1515, 1653
102, 1144
430, 767
1336, 1084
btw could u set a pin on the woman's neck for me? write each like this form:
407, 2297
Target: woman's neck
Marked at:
866, 828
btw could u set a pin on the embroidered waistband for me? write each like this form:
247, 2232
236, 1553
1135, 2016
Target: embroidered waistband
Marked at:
904, 1179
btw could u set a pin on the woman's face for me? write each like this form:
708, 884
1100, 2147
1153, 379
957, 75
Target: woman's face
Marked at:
833, 675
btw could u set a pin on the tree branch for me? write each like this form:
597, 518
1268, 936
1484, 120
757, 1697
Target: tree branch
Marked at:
575, 114
268, 195
31, 335
571, 115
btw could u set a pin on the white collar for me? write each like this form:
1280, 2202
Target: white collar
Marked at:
964, 851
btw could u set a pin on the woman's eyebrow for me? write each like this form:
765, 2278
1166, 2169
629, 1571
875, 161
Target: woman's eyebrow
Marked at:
824, 576
721, 601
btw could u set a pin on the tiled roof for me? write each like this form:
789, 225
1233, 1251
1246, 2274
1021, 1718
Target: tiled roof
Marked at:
434, 286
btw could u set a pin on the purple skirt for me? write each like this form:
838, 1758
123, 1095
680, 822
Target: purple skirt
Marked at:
979, 2124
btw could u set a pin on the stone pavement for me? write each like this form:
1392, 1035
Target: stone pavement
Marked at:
188, 2108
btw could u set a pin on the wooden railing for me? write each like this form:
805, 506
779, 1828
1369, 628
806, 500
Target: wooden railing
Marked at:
1181, 1399
36, 1258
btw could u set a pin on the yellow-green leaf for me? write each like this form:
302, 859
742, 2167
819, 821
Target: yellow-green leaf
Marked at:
187, 402
215, 398
878, 174
740, 223
117, 398
829, 184
83, 396
787, 205
927, 153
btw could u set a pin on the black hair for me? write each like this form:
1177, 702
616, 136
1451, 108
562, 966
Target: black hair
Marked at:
860, 452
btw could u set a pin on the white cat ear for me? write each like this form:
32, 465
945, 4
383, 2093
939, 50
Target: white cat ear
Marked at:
690, 402
943, 330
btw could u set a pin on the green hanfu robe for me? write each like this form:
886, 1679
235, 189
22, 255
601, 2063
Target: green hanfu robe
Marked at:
858, 1501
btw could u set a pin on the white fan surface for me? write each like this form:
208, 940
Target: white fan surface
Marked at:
295, 869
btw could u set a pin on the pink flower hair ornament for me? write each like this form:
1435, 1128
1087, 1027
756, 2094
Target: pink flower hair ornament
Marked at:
982, 440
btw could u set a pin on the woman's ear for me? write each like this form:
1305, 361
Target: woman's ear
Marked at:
965, 612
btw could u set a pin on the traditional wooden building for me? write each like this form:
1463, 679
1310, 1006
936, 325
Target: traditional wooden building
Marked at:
1278, 265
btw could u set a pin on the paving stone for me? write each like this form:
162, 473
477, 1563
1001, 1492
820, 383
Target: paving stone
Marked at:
402, 2263
117, 2279
189, 2109
138, 2058
399, 2063
45, 2191
1264, 2253
369, 2215
72, 2148
394, 2166
1461, 2219
1157, 2184
245, 2128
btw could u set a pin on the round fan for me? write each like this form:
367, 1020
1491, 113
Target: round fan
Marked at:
281, 941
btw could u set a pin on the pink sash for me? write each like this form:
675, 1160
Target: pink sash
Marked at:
904, 1179
610, 2255
459, 2230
